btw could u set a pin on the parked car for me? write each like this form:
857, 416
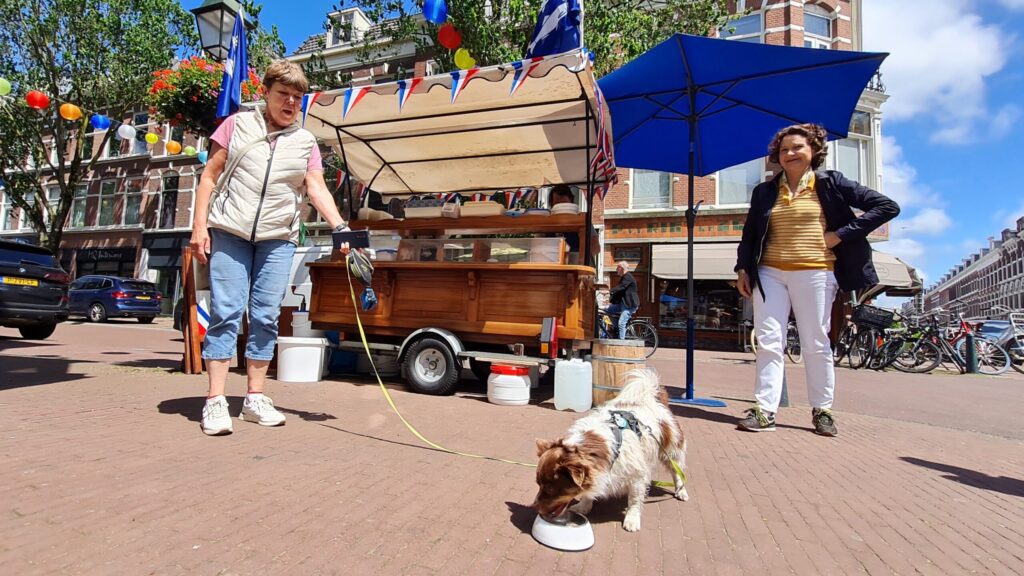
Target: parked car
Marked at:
101, 297
33, 290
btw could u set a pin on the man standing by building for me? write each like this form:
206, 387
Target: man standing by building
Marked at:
624, 297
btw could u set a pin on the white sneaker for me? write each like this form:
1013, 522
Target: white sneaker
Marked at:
262, 411
216, 420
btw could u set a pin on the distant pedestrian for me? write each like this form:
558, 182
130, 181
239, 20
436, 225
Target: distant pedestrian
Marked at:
246, 224
625, 299
800, 240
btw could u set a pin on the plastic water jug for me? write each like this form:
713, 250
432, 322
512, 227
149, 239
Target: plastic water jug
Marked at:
509, 385
573, 385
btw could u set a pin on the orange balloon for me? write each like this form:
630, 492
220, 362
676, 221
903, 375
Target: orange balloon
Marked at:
173, 147
70, 112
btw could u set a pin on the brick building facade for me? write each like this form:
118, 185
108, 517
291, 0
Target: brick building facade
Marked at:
991, 277
132, 213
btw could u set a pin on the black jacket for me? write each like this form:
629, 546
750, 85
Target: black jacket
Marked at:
838, 196
625, 292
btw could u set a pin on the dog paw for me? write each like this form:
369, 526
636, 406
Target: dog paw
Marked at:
632, 522
681, 494
583, 507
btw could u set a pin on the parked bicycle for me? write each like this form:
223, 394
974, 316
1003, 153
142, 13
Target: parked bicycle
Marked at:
936, 345
639, 328
1012, 338
792, 343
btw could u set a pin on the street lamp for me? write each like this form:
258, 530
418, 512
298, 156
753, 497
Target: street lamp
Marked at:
215, 20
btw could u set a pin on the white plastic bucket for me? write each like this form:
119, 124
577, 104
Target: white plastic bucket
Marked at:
302, 327
509, 385
574, 388
300, 359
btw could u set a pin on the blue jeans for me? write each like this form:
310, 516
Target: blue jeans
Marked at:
624, 315
243, 274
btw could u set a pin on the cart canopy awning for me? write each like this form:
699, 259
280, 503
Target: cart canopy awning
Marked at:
710, 261
529, 123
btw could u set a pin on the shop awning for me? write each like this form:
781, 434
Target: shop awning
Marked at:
710, 261
895, 277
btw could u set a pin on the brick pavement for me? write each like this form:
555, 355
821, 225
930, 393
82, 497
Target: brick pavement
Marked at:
106, 472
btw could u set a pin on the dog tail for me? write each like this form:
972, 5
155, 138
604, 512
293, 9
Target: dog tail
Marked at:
639, 385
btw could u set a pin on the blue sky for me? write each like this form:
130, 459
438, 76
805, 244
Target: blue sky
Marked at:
952, 126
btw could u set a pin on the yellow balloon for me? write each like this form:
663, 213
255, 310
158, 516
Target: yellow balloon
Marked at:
463, 60
70, 112
152, 138
173, 147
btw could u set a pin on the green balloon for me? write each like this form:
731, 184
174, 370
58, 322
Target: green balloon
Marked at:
5, 87
189, 151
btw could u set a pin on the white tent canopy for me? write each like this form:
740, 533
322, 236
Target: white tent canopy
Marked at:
529, 123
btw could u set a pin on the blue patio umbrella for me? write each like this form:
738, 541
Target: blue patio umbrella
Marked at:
694, 105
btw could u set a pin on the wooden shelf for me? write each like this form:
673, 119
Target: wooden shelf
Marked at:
514, 266
479, 224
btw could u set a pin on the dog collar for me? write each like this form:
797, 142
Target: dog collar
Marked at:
623, 420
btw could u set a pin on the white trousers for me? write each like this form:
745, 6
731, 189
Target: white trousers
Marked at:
810, 294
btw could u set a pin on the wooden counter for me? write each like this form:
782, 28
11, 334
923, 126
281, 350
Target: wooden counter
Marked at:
494, 303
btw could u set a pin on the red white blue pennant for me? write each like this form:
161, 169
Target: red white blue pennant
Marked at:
523, 70
405, 89
307, 103
459, 80
352, 97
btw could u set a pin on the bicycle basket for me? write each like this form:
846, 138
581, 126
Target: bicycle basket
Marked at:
867, 315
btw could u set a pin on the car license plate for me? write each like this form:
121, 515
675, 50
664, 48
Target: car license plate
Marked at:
142, 297
20, 281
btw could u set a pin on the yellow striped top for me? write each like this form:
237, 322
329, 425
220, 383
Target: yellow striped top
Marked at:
796, 229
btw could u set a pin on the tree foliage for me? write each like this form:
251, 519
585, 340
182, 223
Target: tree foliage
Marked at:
498, 31
97, 54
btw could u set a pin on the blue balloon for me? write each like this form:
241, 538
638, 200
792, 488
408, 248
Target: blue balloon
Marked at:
435, 11
99, 121
203, 155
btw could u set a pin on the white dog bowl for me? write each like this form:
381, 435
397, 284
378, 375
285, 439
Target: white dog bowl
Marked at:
570, 532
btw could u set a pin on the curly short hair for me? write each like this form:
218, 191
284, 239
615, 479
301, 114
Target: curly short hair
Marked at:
288, 73
816, 137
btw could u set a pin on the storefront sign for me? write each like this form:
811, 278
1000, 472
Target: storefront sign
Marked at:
710, 226
107, 254
728, 226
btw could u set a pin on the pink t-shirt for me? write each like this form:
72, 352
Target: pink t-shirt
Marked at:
222, 136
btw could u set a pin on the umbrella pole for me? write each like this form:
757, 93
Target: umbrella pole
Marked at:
691, 220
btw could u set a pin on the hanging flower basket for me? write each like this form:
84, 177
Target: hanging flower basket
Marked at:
186, 95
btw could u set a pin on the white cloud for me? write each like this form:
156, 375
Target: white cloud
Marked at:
1002, 122
1013, 4
940, 59
899, 179
929, 221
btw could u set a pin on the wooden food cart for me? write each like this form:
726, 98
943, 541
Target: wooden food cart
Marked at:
445, 302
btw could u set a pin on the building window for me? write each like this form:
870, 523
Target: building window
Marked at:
747, 28
651, 189
108, 196
169, 208
736, 184
78, 206
860, 123
132, 201
52, 202
113, 146
7, 219
341, 31
140, 120
817, 27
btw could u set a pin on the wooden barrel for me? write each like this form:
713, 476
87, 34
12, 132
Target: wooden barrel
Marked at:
610, 360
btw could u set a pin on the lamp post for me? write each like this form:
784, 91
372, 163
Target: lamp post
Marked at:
215, 20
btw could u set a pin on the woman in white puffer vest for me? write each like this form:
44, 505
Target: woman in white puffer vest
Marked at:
246, 225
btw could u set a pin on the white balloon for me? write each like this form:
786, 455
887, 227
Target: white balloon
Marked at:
126, 132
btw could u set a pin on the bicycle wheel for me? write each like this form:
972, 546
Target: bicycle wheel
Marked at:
793, 349
863, 348
646, 332
992, 358
923, 357
887, 353
843, 344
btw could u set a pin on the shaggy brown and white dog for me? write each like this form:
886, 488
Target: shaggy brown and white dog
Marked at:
612, 451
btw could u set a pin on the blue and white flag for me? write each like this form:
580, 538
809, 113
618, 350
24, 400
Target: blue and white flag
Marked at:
236, 71
558, 28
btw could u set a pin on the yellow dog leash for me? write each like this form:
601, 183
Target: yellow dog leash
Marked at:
391, 402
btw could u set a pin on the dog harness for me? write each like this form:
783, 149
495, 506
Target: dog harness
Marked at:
624, 420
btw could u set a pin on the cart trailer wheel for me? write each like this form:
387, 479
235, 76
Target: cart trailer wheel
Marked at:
431, 368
